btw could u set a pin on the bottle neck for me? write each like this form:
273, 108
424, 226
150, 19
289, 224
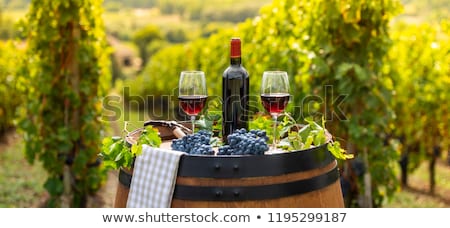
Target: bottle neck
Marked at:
235, 61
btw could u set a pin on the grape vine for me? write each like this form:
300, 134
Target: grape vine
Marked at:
119, 152
65, 72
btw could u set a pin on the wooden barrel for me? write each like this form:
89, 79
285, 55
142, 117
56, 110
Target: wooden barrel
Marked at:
123, 188
307, 178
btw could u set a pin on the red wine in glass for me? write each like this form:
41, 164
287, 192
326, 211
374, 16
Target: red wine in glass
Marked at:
192, 93
192, 105
275, 103
275, 96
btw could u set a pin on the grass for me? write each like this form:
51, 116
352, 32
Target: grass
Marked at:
442, 176
417, 194
21, 184
413, 199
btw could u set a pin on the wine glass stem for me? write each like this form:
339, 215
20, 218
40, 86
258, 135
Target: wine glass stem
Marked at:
274, 141
193, 123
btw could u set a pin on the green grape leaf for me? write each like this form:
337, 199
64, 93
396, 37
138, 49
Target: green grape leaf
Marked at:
308, 142
304, 131
320, 138
313, 125
284, 130
285, 144
110, 164
134, 149
118, 157
116, 153
107, 141
150, 137
338, 152
295, 140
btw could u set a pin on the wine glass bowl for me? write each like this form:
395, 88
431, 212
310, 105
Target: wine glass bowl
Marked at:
275, 103
275, 96
192, 93
192, 105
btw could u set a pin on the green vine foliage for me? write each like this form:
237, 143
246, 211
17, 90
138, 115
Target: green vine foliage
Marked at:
420, 64
118, 152
67, 72
9, 91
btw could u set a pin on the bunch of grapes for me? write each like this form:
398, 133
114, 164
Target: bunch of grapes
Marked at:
198, 143
242, 142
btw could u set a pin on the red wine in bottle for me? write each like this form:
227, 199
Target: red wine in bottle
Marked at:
235, 93
192, 105
275, 103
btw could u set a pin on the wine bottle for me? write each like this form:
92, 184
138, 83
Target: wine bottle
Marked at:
235, 93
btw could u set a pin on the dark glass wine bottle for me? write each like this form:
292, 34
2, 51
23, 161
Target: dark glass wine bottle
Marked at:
235, 93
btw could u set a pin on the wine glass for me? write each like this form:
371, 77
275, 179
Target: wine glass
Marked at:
192, 93
275, 96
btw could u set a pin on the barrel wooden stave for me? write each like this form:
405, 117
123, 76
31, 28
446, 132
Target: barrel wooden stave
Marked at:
327, 197
122, 190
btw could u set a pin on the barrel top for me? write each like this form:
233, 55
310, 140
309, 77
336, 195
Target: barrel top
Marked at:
241, 166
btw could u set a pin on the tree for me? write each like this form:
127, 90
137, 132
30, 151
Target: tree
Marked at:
65, 73
143, 38
176, 35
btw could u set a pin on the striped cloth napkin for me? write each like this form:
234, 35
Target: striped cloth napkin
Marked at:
154, 177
